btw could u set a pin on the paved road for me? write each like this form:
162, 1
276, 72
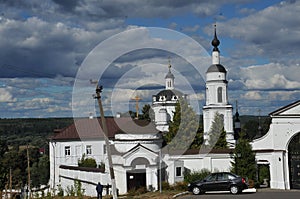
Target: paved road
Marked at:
272, 194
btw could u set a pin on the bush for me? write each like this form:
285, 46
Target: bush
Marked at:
60, 191
165, 186
87, 162
195, 175
180, 186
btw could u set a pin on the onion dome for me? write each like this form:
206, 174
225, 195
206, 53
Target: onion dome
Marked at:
215, 42
216, 68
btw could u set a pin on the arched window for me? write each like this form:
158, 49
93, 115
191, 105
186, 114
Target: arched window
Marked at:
220, 90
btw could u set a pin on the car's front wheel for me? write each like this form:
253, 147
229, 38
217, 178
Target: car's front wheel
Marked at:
196, 191
234, 189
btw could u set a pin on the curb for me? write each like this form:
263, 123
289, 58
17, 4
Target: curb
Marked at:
251, 190
180, 194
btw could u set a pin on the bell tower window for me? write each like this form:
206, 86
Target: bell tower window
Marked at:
220, 91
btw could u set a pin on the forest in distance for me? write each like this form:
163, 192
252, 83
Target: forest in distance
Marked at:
18, 135
36, 131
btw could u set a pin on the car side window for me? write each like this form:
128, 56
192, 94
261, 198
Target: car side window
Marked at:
211, 178
222, 176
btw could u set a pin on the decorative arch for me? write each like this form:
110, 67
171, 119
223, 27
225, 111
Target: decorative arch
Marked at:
140, 161
294, 161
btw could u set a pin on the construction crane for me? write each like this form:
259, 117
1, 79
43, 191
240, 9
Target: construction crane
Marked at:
137, 99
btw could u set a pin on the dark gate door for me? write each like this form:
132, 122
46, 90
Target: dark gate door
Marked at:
136, 179
294, 162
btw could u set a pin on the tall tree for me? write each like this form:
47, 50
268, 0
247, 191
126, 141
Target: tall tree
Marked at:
244, 158
40, 171
3, 170
217, 135
183, 128
147, 113
198, 140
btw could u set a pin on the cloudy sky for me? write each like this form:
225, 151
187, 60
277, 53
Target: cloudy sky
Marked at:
49, 50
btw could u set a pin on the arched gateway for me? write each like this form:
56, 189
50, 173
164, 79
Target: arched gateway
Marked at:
280, 147
294, 161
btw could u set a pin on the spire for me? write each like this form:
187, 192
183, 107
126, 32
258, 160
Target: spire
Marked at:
236, 112
169, 77
215, 53
237, 123
169, 60
169, 74
215, 42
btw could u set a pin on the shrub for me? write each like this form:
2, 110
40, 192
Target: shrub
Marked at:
180, 186
165, 186
60, 191
87, 162
195, 175
101, 166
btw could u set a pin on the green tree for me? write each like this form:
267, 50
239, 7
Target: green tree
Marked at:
217, 135
250, 128
40, 171
244, 159
147, 113
198, 140
3, 170
87, 162
183, 128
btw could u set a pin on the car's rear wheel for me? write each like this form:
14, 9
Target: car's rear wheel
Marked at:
196, 191
234, 189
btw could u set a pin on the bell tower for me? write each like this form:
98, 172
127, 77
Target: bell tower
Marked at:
216, 96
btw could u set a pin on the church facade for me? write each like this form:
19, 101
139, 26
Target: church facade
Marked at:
164, 102
136, 147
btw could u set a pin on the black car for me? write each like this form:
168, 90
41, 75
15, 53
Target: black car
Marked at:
222, 181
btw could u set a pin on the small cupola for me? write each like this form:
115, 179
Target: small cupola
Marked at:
169, 78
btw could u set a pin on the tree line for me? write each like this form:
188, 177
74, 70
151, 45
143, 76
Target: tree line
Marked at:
17, 134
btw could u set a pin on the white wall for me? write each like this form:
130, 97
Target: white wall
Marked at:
78, 148
197, 162
273, 147
67, 177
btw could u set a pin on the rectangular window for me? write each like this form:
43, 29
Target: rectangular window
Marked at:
104, 149
88, 149
178, 171
67, 150
220, 91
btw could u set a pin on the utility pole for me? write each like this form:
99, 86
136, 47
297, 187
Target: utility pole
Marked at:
28, 170
111, 169
137, 99
10, 183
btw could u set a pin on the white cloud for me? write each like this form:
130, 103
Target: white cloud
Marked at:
197, 96
191, 28
6, 96
272, 32
251, 95
270, 76
283, 95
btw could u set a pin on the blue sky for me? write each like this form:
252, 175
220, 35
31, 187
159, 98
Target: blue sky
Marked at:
44, 45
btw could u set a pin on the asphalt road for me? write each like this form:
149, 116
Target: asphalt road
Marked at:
272, 194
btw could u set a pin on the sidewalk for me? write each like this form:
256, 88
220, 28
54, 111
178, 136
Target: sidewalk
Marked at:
277, 190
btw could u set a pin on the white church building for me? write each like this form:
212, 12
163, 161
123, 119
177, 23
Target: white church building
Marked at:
138, 160
164, 102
